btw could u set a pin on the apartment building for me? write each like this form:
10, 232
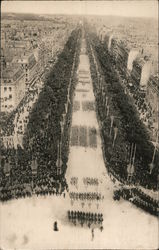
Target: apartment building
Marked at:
28, 64
141, 71
12, 88
152, 99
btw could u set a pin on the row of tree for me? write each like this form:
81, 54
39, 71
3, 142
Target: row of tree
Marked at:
35, 164
130, 129
44, 129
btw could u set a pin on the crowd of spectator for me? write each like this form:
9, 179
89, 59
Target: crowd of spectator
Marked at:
139, 96
129, 127
112, 101
32, 169
138, 198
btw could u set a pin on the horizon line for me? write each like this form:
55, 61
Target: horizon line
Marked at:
69, 14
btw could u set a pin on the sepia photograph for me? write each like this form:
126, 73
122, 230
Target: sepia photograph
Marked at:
79, 125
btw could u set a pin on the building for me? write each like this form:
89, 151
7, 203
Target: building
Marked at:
152, 99
3, 61
29, 65
133, 53
102, 33
141, 71
26, 48
12, 88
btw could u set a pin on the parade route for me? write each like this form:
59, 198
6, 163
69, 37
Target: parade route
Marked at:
28, 223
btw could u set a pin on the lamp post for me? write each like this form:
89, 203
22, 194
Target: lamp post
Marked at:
107, 110
98, 76
103, 95
131, 167
128, 171
133, 161
115, 135
7, 169
106, 101
68, 96
63, 118
66, 107
151, 165
104, 98
34, 167
111, 124
101, 86
59, 161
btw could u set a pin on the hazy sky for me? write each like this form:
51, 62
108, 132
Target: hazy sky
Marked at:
139, 8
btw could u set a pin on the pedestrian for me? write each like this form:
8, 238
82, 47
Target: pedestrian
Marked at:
55, 226
101, 228
92, 233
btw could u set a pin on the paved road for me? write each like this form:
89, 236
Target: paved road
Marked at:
85, 158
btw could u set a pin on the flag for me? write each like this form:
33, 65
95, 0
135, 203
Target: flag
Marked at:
112, 119
59, 161
63, 117
34, 166
129, 168
7, 143
107, 110
68, 98
106, 101
151, 165
115, 132
131, 152
134, 154
153, 157
111, 125
132, 169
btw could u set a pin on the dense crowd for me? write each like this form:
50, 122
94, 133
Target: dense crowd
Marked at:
33, 168
15, 120
111, 100
139, 199
133, 89
23, 181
